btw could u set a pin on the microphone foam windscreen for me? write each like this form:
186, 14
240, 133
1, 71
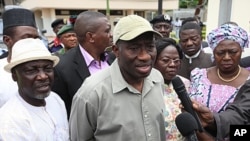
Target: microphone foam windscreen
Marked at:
186, 123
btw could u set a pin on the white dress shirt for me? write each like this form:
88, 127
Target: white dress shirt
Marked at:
20, 121
8, 87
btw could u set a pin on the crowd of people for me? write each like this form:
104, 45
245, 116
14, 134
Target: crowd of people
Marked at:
77, 90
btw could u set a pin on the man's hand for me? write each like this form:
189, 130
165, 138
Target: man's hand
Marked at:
207, 120
205, 115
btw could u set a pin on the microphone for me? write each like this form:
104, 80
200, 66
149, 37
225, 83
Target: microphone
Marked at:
187, 126
185, 100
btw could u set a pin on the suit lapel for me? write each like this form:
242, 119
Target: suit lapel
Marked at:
80, 64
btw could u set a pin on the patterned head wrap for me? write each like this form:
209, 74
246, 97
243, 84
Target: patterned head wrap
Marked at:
228, 32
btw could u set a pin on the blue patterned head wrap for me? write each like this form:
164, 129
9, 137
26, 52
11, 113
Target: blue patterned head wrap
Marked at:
228, 32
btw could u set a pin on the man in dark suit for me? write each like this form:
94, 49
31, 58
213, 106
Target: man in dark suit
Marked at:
93, 32
194, 20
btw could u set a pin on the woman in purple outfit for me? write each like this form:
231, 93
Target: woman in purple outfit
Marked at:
217, 86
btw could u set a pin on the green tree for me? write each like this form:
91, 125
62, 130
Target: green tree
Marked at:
188, 3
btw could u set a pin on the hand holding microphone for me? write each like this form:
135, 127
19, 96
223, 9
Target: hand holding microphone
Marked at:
205, 115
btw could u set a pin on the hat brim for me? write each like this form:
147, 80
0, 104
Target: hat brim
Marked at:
11, 65
135, 33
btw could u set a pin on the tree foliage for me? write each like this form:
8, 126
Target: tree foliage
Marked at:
189, 3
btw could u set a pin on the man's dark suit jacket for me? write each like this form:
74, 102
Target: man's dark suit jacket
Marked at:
202, 61
245, 62
70, 73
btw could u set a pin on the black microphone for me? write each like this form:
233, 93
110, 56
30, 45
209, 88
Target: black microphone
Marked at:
185, 100
187, 126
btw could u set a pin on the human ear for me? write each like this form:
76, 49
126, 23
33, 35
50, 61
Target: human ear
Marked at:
90, 37
14, 75
115, 50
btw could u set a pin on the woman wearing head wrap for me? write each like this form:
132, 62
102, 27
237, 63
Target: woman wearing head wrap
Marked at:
217, 86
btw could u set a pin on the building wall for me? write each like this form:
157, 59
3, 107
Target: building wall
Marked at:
212, 15
45, 9
99, 4
239, 13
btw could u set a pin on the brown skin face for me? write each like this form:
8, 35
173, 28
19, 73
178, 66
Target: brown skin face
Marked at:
136, 58
168, 62
190, 41
21, 32
69, 40
99, 39
164, 28
34, 80
227, 56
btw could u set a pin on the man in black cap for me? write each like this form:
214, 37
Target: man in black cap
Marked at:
18, 23
162, 24
55, 45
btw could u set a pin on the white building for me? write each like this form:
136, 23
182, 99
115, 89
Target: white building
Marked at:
218, 11
221, 11
48, 10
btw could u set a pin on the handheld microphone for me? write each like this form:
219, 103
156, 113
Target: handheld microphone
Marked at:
187, 126
185, 100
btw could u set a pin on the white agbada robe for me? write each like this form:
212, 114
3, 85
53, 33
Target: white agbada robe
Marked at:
20, 121
8, 87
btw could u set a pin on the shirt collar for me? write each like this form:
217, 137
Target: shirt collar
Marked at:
89, 59
119, 83
193, 56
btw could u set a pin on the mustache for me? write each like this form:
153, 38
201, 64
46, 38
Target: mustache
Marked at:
42, 84
144, 63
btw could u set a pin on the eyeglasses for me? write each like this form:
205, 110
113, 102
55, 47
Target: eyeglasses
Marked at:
170, 61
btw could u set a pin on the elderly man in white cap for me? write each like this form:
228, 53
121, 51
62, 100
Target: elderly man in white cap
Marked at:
34, 113
18, 23
123, 102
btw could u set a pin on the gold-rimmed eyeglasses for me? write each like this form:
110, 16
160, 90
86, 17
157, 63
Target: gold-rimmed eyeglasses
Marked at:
168, 61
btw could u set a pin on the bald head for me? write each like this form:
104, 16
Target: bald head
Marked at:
87, 22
